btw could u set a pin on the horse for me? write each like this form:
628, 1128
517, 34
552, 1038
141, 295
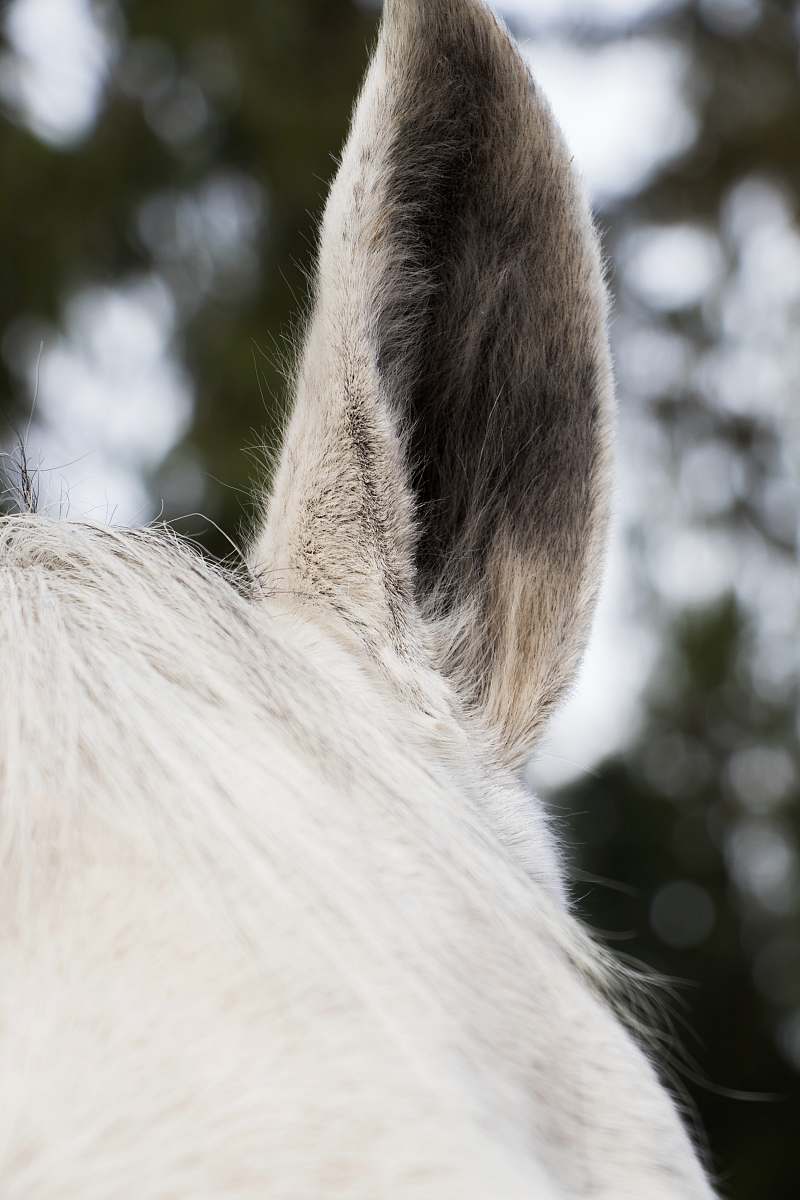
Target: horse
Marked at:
279, 918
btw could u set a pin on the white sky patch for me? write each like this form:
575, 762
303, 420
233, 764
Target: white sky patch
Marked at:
672, 266
61, 58
621, 107
693, 566
111, 402
656, 360
539, 14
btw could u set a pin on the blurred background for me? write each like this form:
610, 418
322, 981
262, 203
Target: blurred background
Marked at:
163, 166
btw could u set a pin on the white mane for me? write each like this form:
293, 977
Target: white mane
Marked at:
261, 929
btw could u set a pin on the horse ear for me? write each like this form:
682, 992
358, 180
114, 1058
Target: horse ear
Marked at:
447, 463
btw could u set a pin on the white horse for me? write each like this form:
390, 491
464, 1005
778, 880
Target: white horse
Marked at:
278, 920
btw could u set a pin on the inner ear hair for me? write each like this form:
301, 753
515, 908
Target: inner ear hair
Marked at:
459, 335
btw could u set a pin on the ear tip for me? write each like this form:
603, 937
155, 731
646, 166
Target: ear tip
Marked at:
413, 13
415, 29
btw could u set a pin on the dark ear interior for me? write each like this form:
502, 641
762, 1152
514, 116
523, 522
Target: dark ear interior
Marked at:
449, 450
491, 343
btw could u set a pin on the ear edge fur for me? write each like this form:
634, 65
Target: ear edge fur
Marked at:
459, 266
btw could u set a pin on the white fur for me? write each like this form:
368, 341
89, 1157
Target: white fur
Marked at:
261, 936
